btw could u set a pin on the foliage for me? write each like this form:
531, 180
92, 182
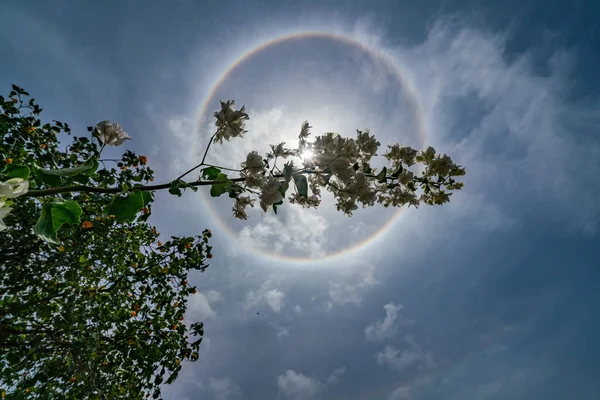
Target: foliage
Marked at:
97, 310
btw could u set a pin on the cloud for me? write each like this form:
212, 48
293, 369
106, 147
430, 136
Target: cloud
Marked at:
352, 288
336, 375
386, 328
297, 309
296, 386
413, 357
224, 389
526, 144
401, 393
394, 358
273, 297
200, 304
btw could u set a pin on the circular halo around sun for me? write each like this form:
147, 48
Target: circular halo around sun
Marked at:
210, 102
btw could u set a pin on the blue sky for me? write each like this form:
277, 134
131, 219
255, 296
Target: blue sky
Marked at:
493, 296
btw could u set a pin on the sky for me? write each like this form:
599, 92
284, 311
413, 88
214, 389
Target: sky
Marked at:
493, 296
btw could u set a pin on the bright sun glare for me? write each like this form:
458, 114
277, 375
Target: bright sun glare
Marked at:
307, 155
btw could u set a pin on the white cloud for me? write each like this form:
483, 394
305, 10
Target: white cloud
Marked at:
295, 231
336, 375
394, 358
296, 386
297, 309
200, 305
526, 148
224, 389
351, 289
386, 328
401, 393
412, 357
280, 331
273, 297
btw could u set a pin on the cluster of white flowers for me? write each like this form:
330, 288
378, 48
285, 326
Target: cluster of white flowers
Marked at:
10, 189
341, 165
111, 134
230, 122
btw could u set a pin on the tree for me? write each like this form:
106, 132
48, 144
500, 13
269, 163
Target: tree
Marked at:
92, 303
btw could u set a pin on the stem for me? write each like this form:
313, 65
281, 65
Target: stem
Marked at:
203, 157
118, 189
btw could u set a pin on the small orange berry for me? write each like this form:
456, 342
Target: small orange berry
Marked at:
181, 318
87, 225
61, 248
27, 390
151, 179
30, 129
72, 379
143, 159
159, 243
42, 146
209, 255
145, 210
174, 327
129, 295
178, 361
188, 245
194, 291
165, 270
133, 313
8, 161
184, 283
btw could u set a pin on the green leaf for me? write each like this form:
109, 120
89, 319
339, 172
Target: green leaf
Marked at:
210, 173
398, 172
218, 189
174, 189
301, 185
367, 168
88, 167
355, 167
16, 171
54, 214
124, 208
52, 176
382, 176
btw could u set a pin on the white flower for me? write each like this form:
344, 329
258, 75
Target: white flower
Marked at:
270, 193
255, 181
405, 177
346, 206
230, 121
254, 164
13, 187
360, 189
280, 151
3, 212
111, 134
367, 144
399, 155
239, 207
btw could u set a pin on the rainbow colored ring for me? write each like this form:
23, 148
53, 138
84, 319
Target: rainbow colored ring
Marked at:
374, 53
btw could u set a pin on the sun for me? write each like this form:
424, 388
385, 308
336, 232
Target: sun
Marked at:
306, 155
